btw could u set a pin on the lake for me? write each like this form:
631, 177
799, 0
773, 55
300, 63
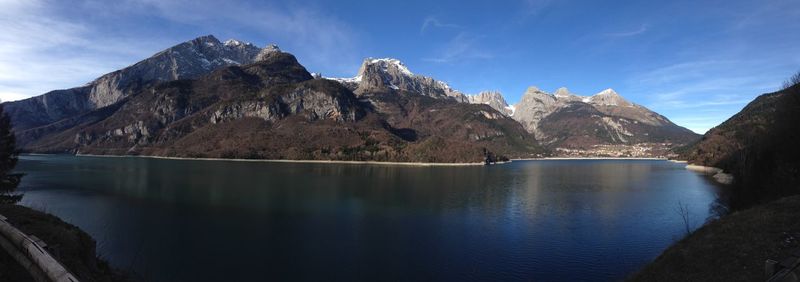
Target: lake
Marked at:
543, 220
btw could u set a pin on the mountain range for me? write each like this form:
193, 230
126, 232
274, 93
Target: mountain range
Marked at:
561, 120
206, 98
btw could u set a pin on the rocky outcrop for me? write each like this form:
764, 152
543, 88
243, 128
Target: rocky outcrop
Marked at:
391, 75
187, 60
264, 53
316, 100
533, 107
494, 99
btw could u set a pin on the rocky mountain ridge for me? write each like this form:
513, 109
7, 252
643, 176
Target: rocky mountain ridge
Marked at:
389, 74
494, 99
187, 60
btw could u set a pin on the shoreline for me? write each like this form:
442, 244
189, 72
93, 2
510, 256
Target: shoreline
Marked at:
703, 169
359, 162
718, 174
287, 161
589, 158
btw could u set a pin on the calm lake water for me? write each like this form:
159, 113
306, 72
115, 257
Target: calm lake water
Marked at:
179, 220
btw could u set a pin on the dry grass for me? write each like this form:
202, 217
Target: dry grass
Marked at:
733, 248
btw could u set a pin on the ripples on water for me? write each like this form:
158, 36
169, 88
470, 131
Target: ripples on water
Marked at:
224, 220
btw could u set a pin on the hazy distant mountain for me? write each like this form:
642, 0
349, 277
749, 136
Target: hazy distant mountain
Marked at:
564, 119
758, 145
274, 109
190, 59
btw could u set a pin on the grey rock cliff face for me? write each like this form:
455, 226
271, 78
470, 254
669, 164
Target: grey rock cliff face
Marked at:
494, 99
383, 75
51, 106
189, 59
314, 102
264, 53
533, 107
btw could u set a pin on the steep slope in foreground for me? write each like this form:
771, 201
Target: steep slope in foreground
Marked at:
72, 247
570, 123
274, 109
733, 248
758, 145
189, 59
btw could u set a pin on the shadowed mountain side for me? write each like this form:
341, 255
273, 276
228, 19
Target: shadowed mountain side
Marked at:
758, 146
581, 125
190, 59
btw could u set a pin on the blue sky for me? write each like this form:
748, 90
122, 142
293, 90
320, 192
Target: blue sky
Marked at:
696, 62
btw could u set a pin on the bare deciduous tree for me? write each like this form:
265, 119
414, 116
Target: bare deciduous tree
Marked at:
792, 81
683, 211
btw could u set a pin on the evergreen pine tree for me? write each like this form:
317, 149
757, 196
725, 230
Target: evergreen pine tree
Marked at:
8, 160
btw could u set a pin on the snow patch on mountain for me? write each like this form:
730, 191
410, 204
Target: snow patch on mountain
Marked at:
355, 79
512, 109
385, 62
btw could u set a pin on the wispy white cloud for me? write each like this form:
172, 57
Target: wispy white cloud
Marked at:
765, 12
642, 29
463, 46
43, 51
702, 94
48, 46
314, 35
432, 21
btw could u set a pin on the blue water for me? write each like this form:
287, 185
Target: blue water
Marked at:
547, 220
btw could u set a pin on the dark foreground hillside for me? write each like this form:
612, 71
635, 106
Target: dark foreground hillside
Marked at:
760, 146
66, 243
733, 248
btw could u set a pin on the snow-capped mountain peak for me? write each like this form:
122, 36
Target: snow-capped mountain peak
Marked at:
236, 43
272, 48
607, 92
609, 97
390, 62
378, 75
562, 92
